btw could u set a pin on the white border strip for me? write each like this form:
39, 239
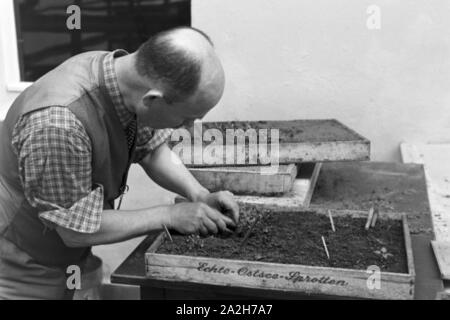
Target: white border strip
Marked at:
9, 47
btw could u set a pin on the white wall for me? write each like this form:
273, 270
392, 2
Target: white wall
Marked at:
6, 97
287, 59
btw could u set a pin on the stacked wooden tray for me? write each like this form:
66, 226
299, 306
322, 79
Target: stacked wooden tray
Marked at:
295, 140
301, 145
247, 180
296, 149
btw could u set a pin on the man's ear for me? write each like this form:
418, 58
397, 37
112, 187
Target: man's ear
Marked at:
151, 96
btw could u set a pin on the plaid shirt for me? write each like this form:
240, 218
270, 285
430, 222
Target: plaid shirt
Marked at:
54, 157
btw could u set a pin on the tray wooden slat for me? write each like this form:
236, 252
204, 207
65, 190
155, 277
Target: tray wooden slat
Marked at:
247, 180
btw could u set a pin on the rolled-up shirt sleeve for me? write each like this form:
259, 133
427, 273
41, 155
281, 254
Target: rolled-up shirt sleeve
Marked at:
149, 139
54, 155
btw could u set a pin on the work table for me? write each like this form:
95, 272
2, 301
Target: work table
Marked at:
345, 185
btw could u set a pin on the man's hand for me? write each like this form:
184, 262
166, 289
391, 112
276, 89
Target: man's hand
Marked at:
223, 202
161, 168
198, 218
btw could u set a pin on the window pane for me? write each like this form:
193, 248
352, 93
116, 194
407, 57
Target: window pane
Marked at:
44, 40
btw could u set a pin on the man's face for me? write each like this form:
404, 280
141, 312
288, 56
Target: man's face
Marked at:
159, 111
162, 113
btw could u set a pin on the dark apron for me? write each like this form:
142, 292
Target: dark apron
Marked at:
22, 278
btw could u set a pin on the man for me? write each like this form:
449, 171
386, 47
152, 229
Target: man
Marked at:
67, 143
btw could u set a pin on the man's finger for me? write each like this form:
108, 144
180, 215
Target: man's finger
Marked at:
210, 225
231, 206
219, 220
216, 216
202, 230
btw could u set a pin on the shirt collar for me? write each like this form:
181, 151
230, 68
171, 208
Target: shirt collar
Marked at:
112, 86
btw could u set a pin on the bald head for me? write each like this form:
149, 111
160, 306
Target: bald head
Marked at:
182, 60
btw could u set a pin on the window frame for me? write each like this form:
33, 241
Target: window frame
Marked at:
8, 38
9, 48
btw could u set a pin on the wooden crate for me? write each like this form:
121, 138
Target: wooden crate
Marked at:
298, 198
246, 180
298, 141
303, 279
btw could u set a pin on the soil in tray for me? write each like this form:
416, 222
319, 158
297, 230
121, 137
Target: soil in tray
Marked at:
295, 238
289, 131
